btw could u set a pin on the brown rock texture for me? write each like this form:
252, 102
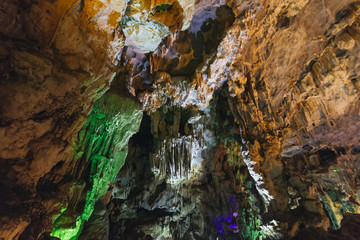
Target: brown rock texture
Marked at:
292, 75
53, 68
297, 101
57, 58
252, 109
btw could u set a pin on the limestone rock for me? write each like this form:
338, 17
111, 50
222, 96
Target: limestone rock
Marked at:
251, 127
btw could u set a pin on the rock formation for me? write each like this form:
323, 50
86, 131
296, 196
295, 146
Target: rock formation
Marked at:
179, 119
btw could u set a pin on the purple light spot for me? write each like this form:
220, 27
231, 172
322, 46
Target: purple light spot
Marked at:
234, 228
230, 219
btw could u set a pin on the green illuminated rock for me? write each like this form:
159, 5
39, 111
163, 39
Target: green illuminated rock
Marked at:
102, 148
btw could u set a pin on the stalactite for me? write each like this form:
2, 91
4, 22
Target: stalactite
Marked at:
102, 146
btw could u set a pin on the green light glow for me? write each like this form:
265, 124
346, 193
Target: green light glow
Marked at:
102, 143
68, 233
336, 170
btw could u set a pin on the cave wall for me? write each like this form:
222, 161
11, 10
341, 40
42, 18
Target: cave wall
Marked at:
57, 59
185, 178
298, 92
292, 81
287, 73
